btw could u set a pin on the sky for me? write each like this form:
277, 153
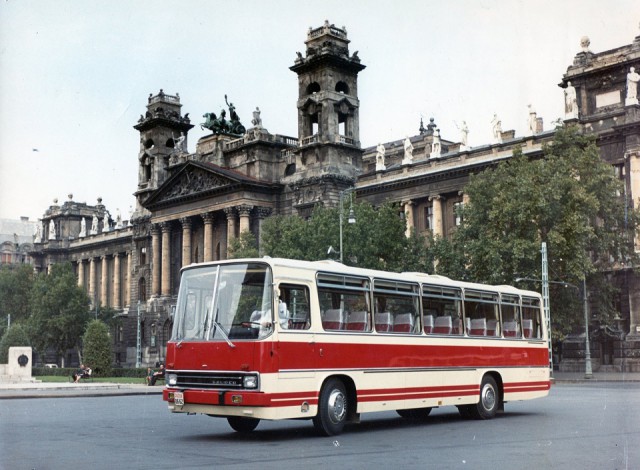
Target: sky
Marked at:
75, 75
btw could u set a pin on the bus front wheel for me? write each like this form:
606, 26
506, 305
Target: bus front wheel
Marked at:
332, 408
242, 425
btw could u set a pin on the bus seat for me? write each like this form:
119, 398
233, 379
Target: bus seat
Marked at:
478, 327
443, 326
403, 323
510, 329
492, 328
527, 328
357, 321
384, 321
332, 319
428, 324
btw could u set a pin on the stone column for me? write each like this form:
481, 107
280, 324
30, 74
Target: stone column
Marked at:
92, 281
231, 228
186, 240
166, 259
437, 215
104, 298
262, 213
116, 281
127, 283
244, 211
80, 273
156, 272
408, 217
634, 184
208, 236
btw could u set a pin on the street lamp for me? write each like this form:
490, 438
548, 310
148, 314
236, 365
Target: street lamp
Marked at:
352, 214
588, 373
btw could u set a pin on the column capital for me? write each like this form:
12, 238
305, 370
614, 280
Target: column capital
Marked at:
230, 212
186, 222
155, 229
244, 209
165, 227
436, 197
263, 212
207, 217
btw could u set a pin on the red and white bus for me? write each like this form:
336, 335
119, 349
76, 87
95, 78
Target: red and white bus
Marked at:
282, 339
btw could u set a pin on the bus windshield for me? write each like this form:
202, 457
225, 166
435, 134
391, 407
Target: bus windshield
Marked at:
224, 302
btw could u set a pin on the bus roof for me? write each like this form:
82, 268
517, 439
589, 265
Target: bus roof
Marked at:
335, 266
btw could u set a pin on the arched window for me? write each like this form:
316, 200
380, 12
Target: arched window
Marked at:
148, 144
342, 87
313, 88
290, 169
170, 143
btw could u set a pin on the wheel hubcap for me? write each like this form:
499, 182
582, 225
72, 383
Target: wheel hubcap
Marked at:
337, 406
488, 397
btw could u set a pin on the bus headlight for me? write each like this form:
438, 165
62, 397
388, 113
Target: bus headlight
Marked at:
250, 381
172, 379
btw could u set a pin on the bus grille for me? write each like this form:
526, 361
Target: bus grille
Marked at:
209, 380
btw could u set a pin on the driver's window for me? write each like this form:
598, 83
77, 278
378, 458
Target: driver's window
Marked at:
293, 307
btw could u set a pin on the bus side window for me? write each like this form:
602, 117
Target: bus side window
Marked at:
510, 306
293, 307
442, 307
531, 321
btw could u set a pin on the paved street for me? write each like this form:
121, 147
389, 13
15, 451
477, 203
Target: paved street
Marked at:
586, 425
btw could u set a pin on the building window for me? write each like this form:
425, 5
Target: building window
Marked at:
142, 290
428, 217
143, 255
457, 213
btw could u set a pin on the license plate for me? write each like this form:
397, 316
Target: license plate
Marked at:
178, 398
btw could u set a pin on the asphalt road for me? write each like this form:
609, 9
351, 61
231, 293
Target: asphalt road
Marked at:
582, 426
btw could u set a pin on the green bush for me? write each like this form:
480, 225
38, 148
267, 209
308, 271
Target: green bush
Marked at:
97, 348
14, 336
57, 371
67, 371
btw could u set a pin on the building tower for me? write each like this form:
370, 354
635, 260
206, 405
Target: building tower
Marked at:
329, 156
163, 135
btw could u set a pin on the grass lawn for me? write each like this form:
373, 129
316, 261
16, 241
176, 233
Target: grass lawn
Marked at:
115, 380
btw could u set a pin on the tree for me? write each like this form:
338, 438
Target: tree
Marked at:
15, 336
97, 348
60, 310
377, 240
15, 288
245, 246
569, 199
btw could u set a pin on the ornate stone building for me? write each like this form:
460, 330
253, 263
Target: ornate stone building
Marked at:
191, 205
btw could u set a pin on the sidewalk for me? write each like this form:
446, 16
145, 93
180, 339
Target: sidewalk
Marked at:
578, 377
64, 389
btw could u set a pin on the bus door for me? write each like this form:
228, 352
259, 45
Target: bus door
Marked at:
296, 343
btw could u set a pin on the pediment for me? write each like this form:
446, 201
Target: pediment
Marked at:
191, 182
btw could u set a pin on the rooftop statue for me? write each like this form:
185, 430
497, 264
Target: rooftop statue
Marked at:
220, 125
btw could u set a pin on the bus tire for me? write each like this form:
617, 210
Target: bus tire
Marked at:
415, 414
332, 408
242, 425
489, 402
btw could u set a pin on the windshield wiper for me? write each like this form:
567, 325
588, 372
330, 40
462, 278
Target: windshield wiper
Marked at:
222, 332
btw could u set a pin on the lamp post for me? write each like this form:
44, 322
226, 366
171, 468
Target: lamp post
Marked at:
352, 215
588, 373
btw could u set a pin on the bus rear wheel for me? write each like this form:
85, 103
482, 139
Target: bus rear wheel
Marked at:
415, 414
332, 408
242, 425
489, 402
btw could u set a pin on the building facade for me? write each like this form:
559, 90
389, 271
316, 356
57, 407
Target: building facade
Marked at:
190, 206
